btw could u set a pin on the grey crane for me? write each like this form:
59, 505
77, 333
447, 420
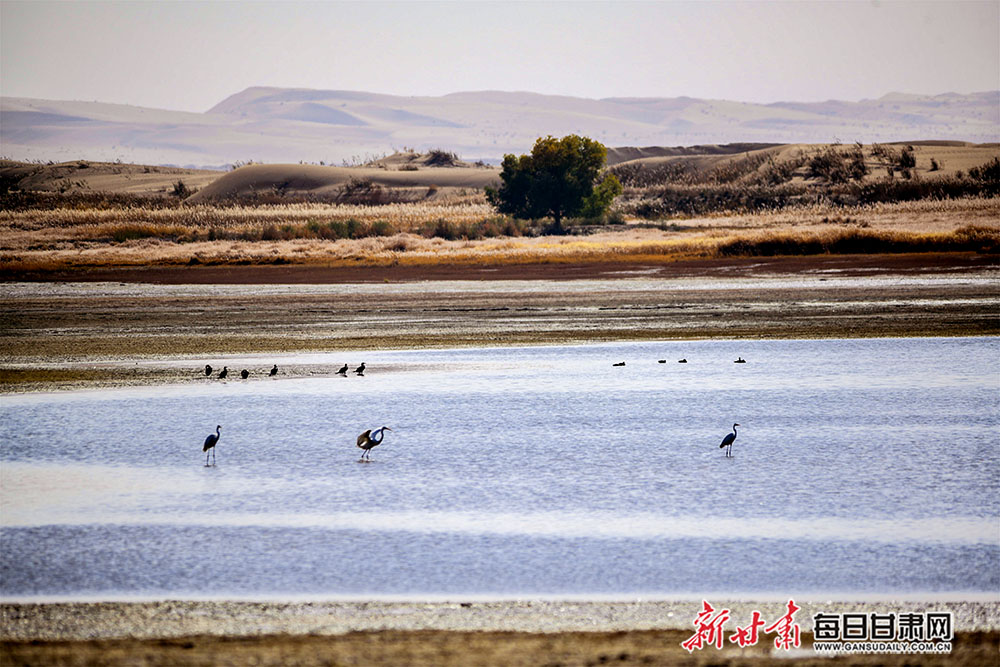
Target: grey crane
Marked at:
367, 440
210, 444
728, 441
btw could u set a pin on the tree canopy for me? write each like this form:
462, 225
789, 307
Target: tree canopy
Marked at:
558, 179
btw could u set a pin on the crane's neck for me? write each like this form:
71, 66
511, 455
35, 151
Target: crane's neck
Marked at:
378, 435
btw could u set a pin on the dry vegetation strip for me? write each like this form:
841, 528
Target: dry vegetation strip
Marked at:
468, 233
440, 647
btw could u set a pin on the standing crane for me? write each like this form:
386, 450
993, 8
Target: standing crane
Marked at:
367, 440
210, 444
728, 442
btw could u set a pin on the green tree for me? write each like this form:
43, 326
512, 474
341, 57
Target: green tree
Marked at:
558, 179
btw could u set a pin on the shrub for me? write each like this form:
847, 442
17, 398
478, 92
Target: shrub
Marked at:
856, 167
181, 190
440, 158
830, 166
906, 159
988, 173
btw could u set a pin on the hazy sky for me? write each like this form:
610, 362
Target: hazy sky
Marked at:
191, 55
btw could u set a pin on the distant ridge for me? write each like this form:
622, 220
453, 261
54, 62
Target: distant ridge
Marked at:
340, 126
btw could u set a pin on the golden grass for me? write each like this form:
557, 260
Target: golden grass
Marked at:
36, 240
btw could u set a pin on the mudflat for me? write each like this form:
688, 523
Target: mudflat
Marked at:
137, 326
434, 633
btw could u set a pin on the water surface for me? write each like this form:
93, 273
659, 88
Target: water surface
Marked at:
861, 466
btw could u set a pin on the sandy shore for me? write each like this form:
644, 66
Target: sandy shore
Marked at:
145, 326
459, 633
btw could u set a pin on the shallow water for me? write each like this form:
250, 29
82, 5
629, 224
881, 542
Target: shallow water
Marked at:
861, 466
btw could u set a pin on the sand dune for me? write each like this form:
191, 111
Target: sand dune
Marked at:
87, 176
321, 181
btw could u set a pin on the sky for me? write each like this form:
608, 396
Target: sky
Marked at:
191, 55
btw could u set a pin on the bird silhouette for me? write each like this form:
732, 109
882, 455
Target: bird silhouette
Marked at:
620, 363
662, 361
224, 372
740, 360
244, 374
208, 370
367, 440
343, 370
682, 361
210, 444
728, 441
274, 371
360, 370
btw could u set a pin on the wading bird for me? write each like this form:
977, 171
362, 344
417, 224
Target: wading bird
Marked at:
208, 370
224, 372
343, 370
728, 441
244, 374
367, 440
274, 371
360, 370
210, 444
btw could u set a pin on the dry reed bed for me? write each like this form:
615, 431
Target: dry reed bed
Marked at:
402, 216
29, 242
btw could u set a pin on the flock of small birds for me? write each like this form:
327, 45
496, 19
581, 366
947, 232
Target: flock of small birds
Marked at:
738, 360
224, 373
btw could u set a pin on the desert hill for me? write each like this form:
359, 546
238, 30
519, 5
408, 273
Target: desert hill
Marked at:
412, 176
950, 157
110, 177
406, 176
351, 127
